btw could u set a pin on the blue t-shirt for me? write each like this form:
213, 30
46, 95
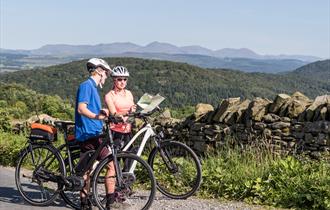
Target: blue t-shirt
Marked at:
85, 127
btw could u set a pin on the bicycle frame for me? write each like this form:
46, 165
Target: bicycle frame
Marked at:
148, 133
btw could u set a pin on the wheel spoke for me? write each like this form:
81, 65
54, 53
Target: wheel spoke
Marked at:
137, 189
34, 181
177, 169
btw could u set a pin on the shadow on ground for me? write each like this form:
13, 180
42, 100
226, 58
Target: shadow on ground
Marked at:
11, 195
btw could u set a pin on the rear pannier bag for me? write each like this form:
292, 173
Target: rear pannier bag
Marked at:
43, 132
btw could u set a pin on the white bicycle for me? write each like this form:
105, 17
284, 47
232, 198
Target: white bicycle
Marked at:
176, 167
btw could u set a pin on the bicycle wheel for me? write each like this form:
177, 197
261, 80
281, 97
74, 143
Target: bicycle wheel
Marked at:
72, 198
177, 169
36, 174
137, 190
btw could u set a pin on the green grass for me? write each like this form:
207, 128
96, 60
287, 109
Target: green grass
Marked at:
262, 178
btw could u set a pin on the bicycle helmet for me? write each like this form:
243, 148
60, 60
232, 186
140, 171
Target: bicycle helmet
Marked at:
119, 71
93, 63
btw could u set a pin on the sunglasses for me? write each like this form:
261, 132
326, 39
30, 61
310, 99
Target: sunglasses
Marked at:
121, 79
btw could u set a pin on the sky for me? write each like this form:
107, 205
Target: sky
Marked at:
269, 27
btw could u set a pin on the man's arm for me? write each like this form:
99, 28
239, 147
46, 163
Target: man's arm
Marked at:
83, 110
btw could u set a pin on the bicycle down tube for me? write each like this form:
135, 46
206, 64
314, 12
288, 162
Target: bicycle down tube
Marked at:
148, 132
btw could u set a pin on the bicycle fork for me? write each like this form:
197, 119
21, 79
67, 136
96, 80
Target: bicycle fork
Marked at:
167, 160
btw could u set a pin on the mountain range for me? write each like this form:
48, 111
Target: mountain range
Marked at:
153, 47
239, 59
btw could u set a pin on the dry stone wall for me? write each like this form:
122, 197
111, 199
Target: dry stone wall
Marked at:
289, 124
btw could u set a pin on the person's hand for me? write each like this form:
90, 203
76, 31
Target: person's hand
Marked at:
133, 108
120, 116
103, 114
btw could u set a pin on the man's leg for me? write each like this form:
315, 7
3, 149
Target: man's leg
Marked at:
86, 146
84, 193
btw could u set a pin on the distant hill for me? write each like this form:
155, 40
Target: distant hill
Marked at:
237, 53
317, 73
154, 47
242, 59
180, 83
74, 50
319, 70
12, 61
242, 64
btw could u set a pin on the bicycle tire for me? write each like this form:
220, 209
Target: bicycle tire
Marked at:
72, 198
26, 170
168, 182
145, 180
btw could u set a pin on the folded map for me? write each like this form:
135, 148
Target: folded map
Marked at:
149, 102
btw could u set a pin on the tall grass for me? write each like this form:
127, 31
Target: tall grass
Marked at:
255, 175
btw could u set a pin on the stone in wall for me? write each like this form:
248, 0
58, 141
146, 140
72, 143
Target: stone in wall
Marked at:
236, 113
257, 109
270, 118
297, 105
278, 102
42, 118
319, 101
223, 107
202, 110
323, 113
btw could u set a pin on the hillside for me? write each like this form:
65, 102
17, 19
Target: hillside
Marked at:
242, 64
13, 62
180, 83
317, 71
18, 102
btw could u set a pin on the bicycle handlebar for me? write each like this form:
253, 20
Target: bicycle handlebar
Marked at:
118, 119
114, 119
139, 114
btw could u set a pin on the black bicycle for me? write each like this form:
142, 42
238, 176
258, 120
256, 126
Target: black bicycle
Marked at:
41, 174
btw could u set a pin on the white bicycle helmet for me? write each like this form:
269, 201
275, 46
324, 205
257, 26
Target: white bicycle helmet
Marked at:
93, 63
119, 71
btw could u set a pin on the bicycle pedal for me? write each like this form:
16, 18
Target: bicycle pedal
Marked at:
119, 197
128, 192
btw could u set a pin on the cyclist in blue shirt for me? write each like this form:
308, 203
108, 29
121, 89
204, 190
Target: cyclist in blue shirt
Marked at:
88, 123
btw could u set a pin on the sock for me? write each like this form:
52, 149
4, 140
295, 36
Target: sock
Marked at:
110, 198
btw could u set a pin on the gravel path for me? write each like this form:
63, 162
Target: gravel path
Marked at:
11, 199
199, 204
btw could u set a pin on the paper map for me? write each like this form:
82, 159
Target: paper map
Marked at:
149, 102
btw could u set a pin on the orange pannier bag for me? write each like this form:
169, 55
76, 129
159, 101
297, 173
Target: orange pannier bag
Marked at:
43, 132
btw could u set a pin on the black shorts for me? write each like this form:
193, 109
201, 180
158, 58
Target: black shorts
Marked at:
121, 139
93, 144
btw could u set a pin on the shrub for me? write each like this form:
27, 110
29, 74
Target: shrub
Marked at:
4, 121
10, 145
